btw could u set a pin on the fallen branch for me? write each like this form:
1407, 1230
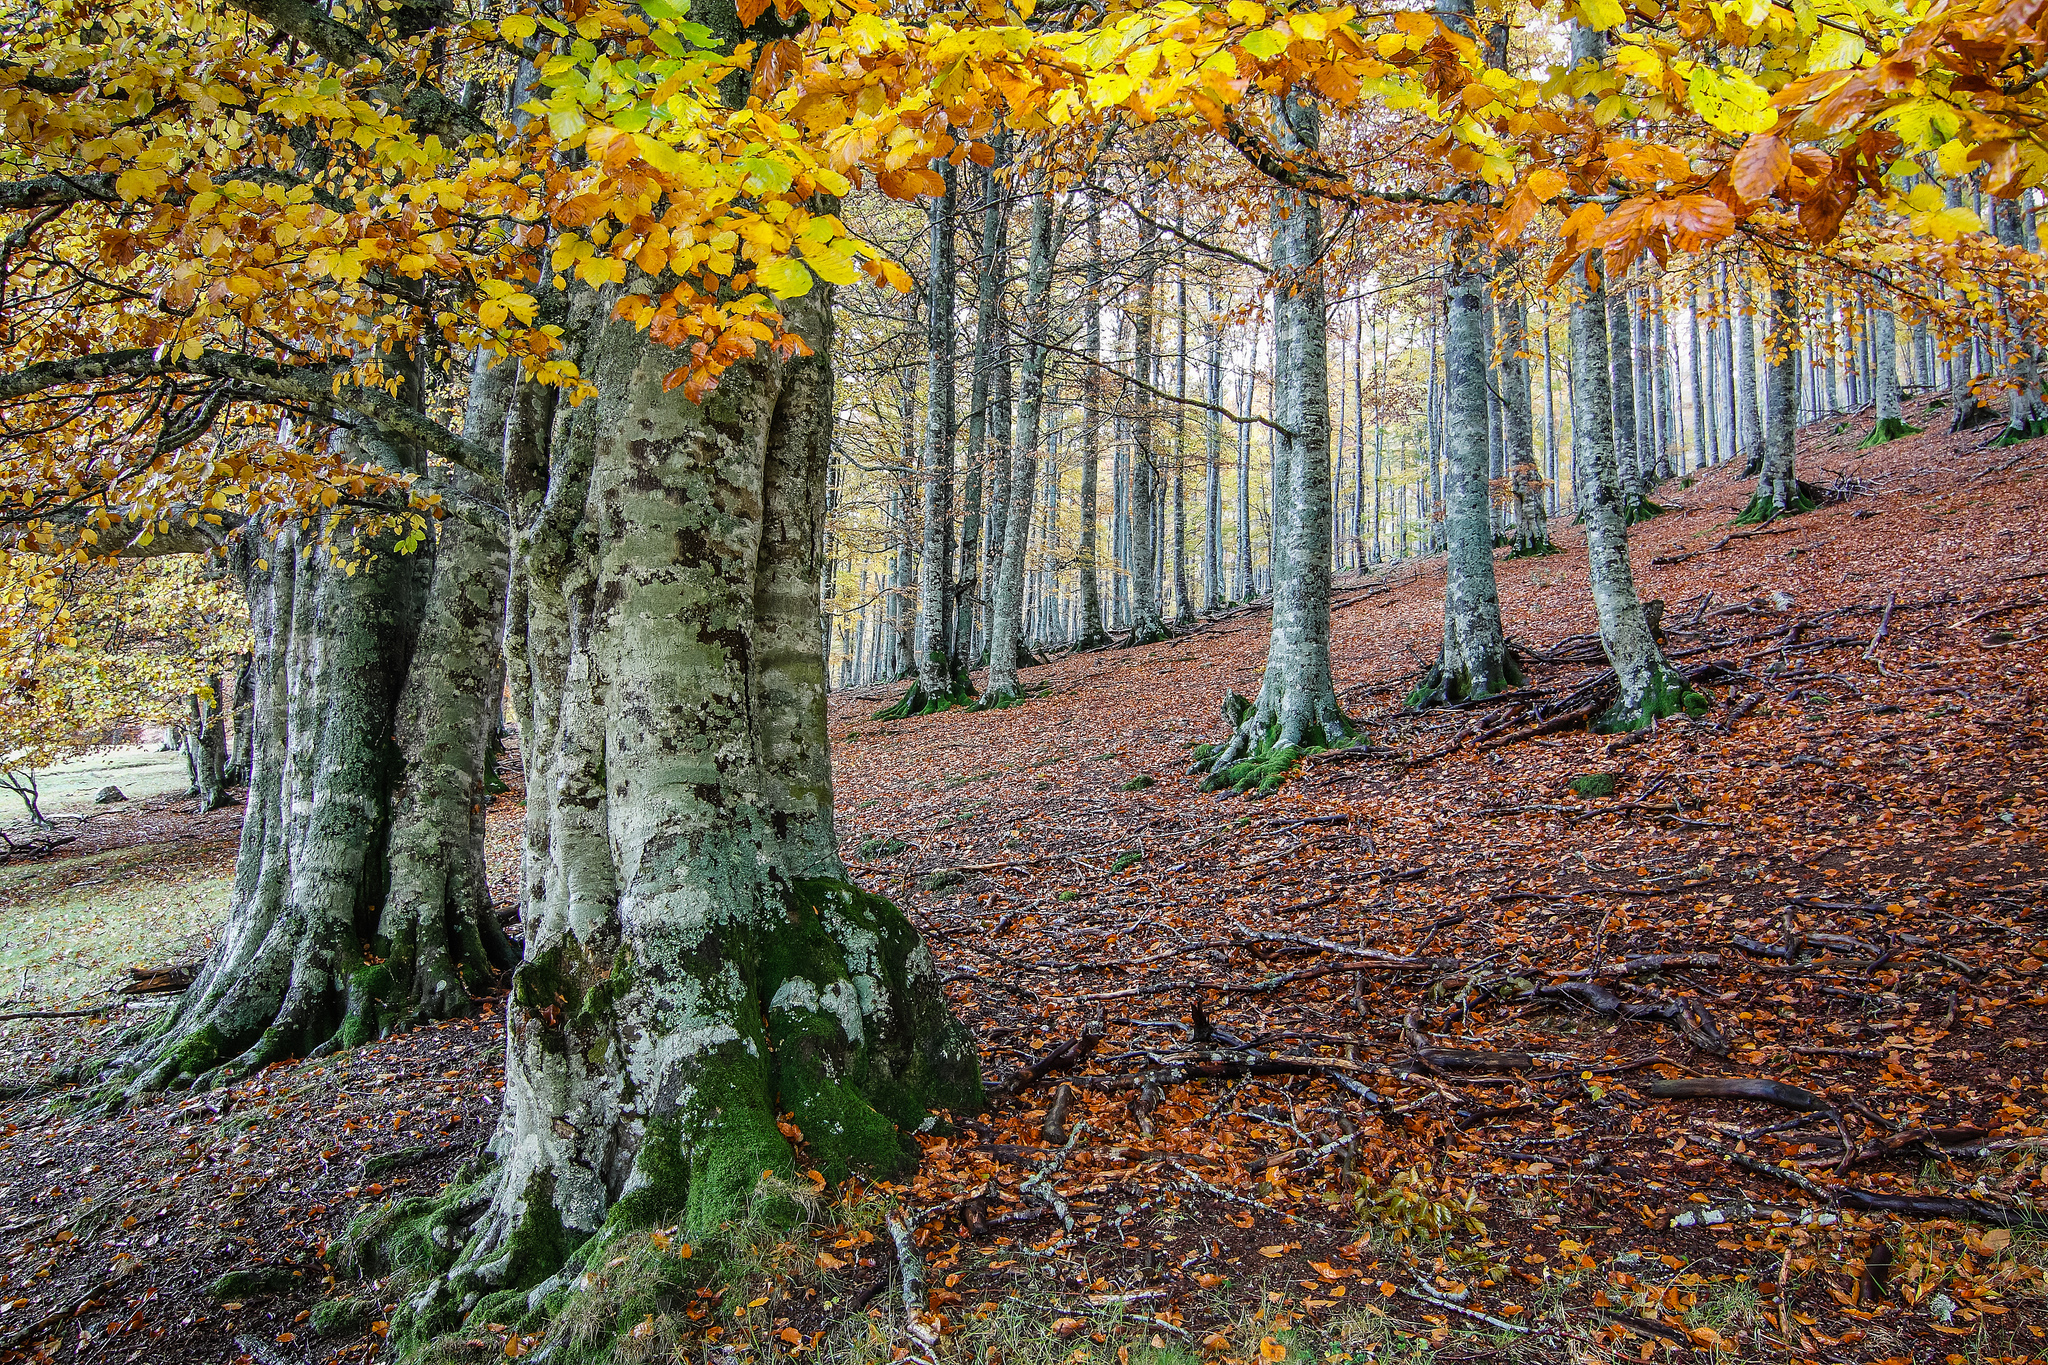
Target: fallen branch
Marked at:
1687, 1016
1916, 1206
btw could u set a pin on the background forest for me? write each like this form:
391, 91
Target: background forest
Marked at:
1023, 683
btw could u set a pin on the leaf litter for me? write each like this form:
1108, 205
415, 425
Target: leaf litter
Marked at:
1440, 1048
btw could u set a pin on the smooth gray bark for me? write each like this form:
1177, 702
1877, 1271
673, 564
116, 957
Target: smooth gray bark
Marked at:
1091, 635
1297, 704
941, 671
1777, 491
1749, 426
1147, 623
1005, 617
1212, 469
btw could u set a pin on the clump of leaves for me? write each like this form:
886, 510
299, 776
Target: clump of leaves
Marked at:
1414, 1202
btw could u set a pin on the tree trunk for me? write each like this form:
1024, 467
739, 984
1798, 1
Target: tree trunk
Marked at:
1246, 590
1005, 617
1212, 481
1475, 660
1622, 376
1183, 599
1297, 708
988, 286
1092, 635
1643, 677
1884, 363
1749, 436
1147, 623
696, 961
1778, 492
206, 748
941, 671
237, 774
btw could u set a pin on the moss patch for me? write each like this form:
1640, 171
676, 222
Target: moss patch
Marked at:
1593, 784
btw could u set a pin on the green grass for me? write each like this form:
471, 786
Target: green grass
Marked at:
70, 925
68, 787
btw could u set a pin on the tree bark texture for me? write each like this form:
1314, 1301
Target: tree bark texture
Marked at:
696, 961
1777, 489
1006, 615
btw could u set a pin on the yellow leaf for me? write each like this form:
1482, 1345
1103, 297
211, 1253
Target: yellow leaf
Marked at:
1545, 184
784, 278
1271, 1350
1601, 14
517, 28
829, 263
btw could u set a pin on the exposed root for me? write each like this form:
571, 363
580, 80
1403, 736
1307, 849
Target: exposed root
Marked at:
1265, 745
1669, 695
2013, 436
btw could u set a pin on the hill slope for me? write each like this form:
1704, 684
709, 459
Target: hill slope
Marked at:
1844, 855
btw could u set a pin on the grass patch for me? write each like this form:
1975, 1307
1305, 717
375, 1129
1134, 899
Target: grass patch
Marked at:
72, 922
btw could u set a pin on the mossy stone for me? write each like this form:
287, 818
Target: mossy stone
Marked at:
341, 1317
1136, 784
1594, 784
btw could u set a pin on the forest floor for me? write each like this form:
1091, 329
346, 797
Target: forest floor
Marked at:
1426, 1056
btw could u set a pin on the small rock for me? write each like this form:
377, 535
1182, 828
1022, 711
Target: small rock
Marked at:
108, 796
1782, 600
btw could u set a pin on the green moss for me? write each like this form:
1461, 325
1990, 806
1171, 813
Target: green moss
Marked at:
341, 1317
1067, 896
200, 1050
941, 881
237, 1285
2013, 436
1669, 695
1593, 784
1129, 859
364, 1013
884, 847
1762, 509
1536, 551
1136, 784
1641, 509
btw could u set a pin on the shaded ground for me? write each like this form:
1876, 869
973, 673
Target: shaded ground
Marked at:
1339, 1082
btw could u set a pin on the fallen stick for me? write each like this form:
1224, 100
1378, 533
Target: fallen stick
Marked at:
1975, 1210
911, 1268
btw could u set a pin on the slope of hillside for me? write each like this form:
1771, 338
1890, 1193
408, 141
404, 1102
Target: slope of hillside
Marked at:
1443, 975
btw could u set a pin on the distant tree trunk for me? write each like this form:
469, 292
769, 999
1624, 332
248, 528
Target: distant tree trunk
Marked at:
1778, 493
1660, 361
1749, 439
1886, 395
2024, 414
1212, 483
1184, 599
1246, 588
1005, 619
1147, 622
206, 747
237, 774
941, 671
1092, 635
990, 262
1297, 706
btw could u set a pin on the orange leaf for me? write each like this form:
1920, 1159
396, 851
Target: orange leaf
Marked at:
750, 10
1760, 167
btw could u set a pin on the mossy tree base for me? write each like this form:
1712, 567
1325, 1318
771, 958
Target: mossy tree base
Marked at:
1887, 429
2013, 436
1263, 748
1669, 695
1536, 550
918, 702
1641, 509
1443, 685
1147, 635
675, 1087
1762, 508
